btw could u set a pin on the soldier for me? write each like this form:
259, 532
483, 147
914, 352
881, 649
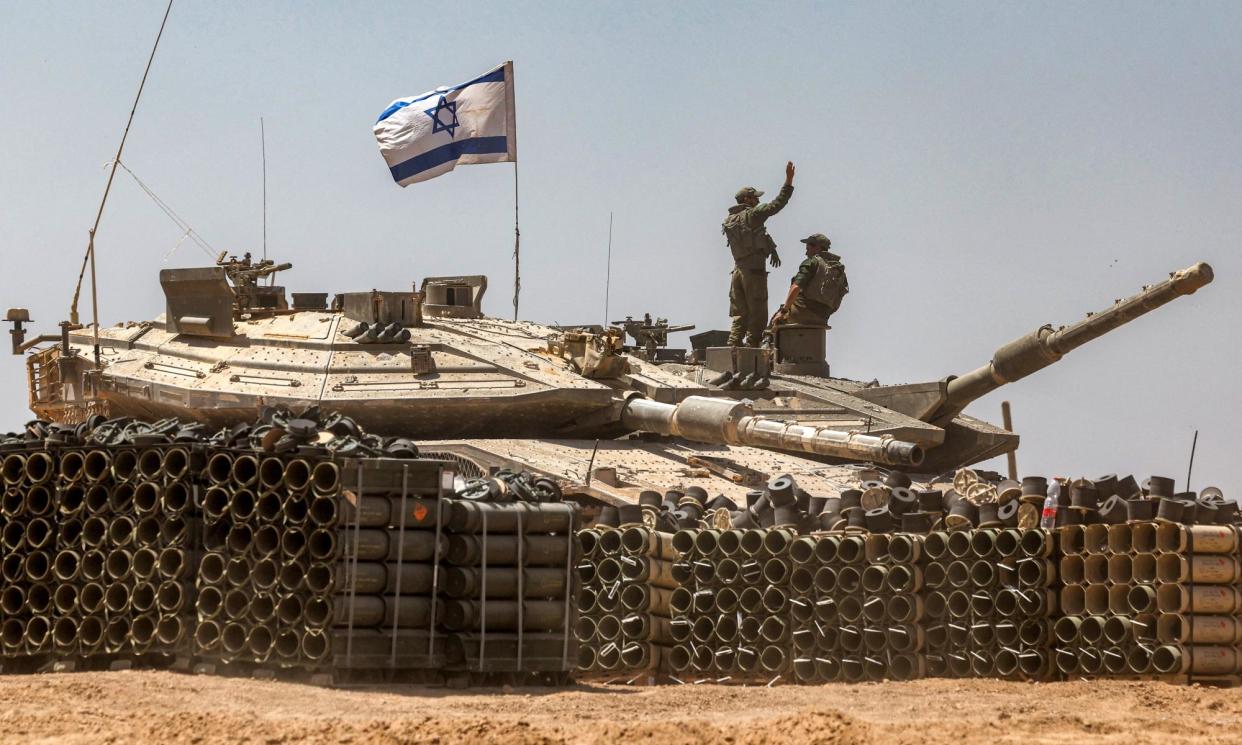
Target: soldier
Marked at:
818, 287
751, 245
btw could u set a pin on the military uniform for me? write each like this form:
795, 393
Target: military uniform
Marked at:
822, 285
751, 246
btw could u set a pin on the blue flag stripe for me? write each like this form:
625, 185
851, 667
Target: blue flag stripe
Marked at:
495, 76
445, 153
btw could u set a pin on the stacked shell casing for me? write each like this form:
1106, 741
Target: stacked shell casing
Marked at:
627, 581
508, 586
270, 541
990, 603
100, 552
894, 637
827, 608
1150, 598
1108, 600
731, 616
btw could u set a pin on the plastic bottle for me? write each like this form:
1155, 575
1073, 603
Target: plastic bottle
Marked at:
1048, 518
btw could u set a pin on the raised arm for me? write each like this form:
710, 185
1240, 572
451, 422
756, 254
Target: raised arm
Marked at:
767, 209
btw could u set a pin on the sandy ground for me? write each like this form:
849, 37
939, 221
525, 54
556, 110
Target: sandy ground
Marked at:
160, 707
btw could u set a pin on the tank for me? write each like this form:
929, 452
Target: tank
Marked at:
426, 363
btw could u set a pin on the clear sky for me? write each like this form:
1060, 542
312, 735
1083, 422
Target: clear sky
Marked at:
983, 168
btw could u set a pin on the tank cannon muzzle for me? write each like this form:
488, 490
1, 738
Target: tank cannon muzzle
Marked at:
1044, 346
724, 420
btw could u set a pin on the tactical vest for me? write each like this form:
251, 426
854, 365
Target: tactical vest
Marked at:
746, 241
828, 286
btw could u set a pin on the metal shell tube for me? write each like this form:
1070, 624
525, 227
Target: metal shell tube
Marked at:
142, 597
172, 596
467, 517
142, 631
610, 541
1205, 599
1197, 569
539, 550
1196, 658
271, 472
90, 634
124, 465
461, 582
412, 611
297, 475
644, 598
236, 602
293, 542
325, 477
381, 579
1177, 628
232, 639
150, 463
216, 502
315, 645
419, 545
259, 642
502, 615
96, 464
116, 633
65, 599
244, 471
39, 467
38, 635
65, 633
169, 631
287, 644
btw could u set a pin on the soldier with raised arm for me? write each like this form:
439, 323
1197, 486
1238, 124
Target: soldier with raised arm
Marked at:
751, 246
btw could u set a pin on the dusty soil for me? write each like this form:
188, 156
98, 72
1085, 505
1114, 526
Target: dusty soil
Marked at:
159, 707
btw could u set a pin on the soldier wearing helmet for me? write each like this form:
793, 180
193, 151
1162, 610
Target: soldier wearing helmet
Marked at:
818, 287
751, 245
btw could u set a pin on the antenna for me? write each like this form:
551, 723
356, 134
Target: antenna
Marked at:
608, 271
1193, 444
89, 258
263, 151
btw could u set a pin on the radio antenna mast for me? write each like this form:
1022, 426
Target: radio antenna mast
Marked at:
263, 150
90, 244
608, 271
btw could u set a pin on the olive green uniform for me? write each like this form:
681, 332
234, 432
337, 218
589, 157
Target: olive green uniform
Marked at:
748, 287
822, 284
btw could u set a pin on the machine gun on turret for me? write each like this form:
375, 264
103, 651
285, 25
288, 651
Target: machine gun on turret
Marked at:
648, 335
245, 273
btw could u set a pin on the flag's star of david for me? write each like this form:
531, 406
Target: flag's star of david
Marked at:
443, 116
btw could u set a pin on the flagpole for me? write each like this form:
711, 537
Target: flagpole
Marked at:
517, 245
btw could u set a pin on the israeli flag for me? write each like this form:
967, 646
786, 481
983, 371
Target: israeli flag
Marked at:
424, 136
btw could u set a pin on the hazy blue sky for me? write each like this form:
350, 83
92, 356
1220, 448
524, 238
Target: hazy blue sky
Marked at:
983, 168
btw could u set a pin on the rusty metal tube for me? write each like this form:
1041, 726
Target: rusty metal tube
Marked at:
1044, 346
724, 420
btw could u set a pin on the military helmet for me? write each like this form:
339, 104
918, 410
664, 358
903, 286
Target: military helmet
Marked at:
747, 191
817, 239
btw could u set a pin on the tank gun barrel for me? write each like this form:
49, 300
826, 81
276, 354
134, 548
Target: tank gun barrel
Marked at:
1044, 346
724, 420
